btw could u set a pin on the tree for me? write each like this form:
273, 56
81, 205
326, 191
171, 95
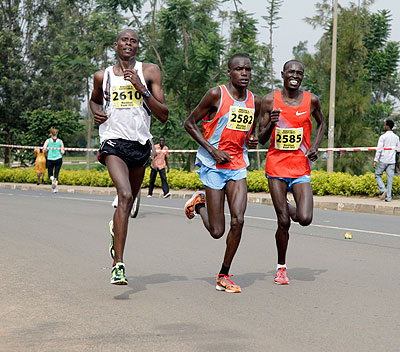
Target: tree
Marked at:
50, 56
381, 64
38, 124
272, 17
352, 93
18, 89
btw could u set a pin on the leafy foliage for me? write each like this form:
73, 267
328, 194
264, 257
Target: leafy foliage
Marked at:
364, 77
323, 183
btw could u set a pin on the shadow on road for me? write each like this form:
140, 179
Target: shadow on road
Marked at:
301, 274
139, 283
247, 280
243, 280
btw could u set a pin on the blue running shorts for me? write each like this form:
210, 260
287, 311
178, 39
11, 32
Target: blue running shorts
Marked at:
217, 178
291, 181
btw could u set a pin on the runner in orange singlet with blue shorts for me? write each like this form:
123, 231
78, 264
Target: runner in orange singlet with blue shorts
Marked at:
229, 116
286, 120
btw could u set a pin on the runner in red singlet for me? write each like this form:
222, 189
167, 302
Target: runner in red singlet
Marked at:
286, 120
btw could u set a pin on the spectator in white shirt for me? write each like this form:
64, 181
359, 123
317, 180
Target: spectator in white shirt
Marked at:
385, 160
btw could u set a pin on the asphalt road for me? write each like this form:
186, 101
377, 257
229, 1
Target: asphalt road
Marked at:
55, 293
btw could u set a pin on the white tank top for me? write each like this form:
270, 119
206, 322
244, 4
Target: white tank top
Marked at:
128, 114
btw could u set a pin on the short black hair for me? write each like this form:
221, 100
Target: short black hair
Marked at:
233, 57
161, 137
290, 61
389, 123
126, 30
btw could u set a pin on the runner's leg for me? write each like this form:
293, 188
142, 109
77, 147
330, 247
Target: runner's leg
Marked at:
236, 194
278, 191
119, 174
303, 197
213, 213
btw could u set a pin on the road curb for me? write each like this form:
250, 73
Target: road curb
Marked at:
347, 204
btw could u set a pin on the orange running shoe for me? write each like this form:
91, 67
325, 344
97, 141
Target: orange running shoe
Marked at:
281, 277
197, 198
227, 285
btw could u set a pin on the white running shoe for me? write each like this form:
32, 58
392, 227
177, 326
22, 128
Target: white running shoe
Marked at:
53, 182
115, 201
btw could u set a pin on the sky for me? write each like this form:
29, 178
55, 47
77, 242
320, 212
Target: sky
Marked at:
292, 28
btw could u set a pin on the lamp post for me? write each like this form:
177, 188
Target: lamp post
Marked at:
331, 126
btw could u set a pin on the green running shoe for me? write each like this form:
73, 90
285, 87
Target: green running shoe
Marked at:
118, 276
111, 226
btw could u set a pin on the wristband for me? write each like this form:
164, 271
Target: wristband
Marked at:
147, 94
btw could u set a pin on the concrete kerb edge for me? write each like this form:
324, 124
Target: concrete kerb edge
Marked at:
349, 206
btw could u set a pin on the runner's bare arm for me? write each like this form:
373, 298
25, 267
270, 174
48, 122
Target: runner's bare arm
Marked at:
268, 119
253, 140
156, 101
208, 105
316, 112
96, 100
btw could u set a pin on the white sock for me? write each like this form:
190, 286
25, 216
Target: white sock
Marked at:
278, 266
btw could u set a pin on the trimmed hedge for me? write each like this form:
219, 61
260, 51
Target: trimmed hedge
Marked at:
323, 183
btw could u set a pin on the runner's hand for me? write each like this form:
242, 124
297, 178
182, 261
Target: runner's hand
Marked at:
252, 142
274, 116
133, 77
221, 157
312, 154
100, 117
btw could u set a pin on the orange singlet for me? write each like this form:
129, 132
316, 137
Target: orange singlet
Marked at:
290, 139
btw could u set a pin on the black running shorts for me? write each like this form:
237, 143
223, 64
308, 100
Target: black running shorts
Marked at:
132, 152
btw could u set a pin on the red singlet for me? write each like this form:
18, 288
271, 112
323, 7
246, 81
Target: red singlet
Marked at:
290, 139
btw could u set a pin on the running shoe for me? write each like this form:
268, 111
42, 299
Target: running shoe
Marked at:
53, 182
383, 195
226, 284
118, 276
167, 195
111, 226
281, 277
115, 202
197, 198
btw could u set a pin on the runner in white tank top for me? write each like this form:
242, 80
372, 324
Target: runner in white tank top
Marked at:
122, 99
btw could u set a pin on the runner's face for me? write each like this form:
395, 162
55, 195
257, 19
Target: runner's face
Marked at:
162, 142
240, 72
127, 44
293, 75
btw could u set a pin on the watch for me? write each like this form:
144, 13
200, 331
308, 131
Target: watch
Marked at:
147, 94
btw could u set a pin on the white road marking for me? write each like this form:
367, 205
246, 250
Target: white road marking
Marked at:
227, 214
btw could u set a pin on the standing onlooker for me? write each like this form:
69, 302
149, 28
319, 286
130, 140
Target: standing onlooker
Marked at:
160, 160
54, 157
40, 164
385, 160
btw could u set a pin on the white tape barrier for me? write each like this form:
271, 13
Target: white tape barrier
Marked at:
353, 149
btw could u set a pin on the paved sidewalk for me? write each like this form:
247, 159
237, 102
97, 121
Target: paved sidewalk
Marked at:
371, 205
